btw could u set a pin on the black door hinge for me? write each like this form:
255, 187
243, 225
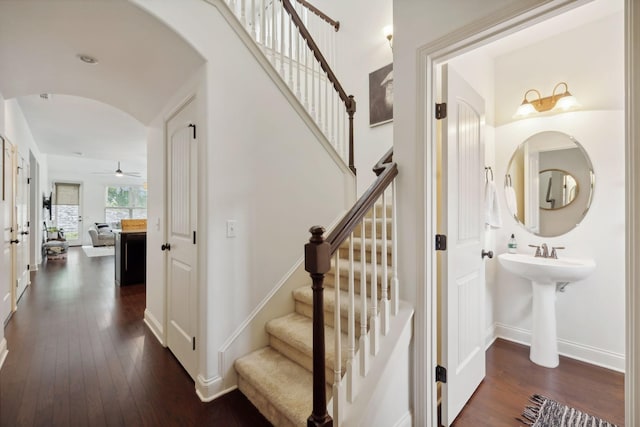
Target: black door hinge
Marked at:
28, 223
194, 130
441, 374
194, 342
441, 110
441, 242
28, 267
194, 237
28, 180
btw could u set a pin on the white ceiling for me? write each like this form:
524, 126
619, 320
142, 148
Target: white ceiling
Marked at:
101, 109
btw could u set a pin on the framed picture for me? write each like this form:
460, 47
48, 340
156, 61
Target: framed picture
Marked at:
381, 96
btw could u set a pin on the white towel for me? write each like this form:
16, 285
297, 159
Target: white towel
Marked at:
491, 206
512, 202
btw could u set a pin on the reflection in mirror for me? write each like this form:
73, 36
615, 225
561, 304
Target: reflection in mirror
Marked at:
557, 189
549, 183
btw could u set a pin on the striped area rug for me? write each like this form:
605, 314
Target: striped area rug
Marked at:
545, 412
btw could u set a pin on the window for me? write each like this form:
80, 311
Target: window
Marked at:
66, 208
128, 202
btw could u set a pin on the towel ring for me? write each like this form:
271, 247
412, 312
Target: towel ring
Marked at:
507, 180
487, 171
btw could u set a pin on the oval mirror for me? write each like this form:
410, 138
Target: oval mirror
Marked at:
558, 189
549, 183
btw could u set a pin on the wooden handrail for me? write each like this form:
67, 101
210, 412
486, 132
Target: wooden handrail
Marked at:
386, 170
320, 14
317, 254
349, 101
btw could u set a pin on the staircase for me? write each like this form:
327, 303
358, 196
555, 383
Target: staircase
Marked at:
278, 379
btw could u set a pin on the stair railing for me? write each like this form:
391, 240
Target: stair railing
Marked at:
299, 44
318, 254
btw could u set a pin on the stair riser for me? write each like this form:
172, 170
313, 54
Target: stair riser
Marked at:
357, 232
379, 210
329, 282
307, 310
357, 255
306, 361
263, 405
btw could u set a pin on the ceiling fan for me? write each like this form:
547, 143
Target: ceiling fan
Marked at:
118, 172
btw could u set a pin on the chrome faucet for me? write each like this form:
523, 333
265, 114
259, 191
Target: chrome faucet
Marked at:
542, 251
545, 250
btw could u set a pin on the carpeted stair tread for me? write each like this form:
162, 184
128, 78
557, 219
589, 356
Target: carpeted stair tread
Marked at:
285, 384
305, 295
296, 330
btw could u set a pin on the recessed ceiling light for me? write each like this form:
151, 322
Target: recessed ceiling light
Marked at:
88, 59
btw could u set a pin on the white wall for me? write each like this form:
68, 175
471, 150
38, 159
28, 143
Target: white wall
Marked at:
262, 166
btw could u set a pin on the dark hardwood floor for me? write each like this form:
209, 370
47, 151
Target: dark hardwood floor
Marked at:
511, 378
80, 355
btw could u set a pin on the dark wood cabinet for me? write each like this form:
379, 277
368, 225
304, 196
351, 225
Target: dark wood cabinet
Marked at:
131, 258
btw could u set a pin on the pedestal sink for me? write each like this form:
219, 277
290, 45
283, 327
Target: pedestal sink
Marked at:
544, 274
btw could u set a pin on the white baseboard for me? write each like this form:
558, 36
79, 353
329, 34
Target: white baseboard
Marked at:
209, 389
490, 336
585, 353
405, 421
155, 326
3, 351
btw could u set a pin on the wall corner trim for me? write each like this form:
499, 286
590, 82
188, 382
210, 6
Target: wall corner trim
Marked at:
209, 389
155, 326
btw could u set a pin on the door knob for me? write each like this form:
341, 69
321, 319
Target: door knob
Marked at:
16, 241
485, 253
166, 247
24, 233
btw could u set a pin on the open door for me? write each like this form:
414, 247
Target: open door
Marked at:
462, 350
21, 225
8, 238
182, 192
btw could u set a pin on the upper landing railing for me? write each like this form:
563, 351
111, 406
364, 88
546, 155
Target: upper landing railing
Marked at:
296, 39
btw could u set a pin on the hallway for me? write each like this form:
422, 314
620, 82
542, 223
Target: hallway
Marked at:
80, 355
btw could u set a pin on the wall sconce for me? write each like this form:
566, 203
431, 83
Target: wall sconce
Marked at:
556, 102
388, 33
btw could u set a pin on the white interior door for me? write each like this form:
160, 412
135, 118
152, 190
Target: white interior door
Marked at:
21, 224
462, 269
182, 155
6, 273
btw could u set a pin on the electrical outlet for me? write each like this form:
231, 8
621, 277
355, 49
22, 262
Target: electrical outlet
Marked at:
231, 228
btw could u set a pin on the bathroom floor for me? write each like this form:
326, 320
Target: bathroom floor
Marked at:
511, 378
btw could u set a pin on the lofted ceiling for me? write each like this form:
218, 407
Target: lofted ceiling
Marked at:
93, 107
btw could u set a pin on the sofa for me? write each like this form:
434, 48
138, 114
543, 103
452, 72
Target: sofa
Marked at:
102, 235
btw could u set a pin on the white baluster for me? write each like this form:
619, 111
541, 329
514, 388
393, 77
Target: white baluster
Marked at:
337, 370
243, 17
326, 105
290, 51
298, 65
232, 6
374, 321
364, 338
319, 109
384, 302
273, 32
306, 78
394, 252
263, 22
333, 120
254, 34
313, 86
282, 12
351, 326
